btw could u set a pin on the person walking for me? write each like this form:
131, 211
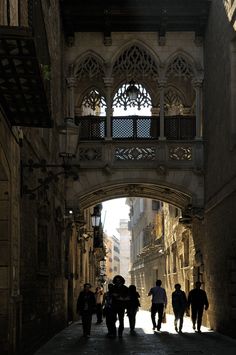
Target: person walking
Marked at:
159, 303
132, 307
99, 294
85, 307
120, 297
179, 304
107, 309
197, 299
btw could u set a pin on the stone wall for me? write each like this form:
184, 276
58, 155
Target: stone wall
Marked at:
44, 284
9, 237
220, 165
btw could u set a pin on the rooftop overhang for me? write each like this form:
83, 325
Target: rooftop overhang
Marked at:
135, 15
23, 99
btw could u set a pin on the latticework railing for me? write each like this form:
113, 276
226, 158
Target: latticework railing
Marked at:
137, 127
92, 127
180, 127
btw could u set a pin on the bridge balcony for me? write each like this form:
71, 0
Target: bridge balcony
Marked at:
136, 127
135, 138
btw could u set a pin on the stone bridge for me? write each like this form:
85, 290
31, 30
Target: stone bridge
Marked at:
170, 171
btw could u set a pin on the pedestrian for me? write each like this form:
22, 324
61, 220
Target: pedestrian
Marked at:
107, 309
179, 304
197, 299
120, 297
85, 307
159, 303
132, 307
99, 294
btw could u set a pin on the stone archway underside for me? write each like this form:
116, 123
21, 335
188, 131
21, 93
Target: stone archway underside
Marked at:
147, 190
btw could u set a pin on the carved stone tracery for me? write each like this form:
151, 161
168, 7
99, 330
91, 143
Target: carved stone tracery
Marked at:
180, 152
135, 153
135, 62
93, 100
89, 68
180, 67
122, 100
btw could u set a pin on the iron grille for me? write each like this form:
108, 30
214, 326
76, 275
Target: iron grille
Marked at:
180, 127
135, 127
91, 127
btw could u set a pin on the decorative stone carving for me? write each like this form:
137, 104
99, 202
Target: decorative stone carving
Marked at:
135, 153
94, 100
162, 169
180, 152
122, 100
180, 67
89, 68
90, 154
135, 62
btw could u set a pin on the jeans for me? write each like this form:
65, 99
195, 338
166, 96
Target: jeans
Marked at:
157, 308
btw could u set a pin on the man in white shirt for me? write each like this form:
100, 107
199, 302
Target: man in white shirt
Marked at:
159, 302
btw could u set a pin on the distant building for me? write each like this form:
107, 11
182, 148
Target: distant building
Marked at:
115, 255
124, 232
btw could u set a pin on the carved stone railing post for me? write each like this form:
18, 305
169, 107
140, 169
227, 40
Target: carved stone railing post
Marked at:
162, 85
108, 81
197, 84
71, 85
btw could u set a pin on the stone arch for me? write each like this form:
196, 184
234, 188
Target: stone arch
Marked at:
99, 88
144, 99
180, 71
176, 92
89, 65
144, 64
182, 64
179, 191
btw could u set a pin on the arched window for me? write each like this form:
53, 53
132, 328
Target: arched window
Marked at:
131, 116
93, 103
122, 101
93, 120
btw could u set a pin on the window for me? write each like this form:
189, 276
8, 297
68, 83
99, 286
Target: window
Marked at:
186, 251
156, 205
116, 249
174, 258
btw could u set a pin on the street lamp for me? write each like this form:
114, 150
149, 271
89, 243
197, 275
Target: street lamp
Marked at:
132, 91
96, 217
97, 229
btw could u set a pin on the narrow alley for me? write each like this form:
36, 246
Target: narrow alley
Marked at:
145, 341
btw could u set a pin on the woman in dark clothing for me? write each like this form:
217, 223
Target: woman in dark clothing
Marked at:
107, 309
86, 304
179, 304
120, 297
132, 308
197, 298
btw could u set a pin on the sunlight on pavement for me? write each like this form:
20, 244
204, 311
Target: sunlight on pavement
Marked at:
143, 321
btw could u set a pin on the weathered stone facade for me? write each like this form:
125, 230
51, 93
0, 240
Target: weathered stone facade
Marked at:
218, 238
44, 258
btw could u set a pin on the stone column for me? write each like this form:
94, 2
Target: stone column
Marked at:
162, 85
108, 81
71, 84
197, 84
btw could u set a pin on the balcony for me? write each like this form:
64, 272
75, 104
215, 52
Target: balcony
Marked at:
137, 127
24, 58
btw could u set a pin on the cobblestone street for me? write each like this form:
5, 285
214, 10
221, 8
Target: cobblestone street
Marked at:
145, 341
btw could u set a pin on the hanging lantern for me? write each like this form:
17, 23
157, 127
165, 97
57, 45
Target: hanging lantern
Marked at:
132, 91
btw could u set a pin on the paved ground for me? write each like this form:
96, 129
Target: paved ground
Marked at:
166, 342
